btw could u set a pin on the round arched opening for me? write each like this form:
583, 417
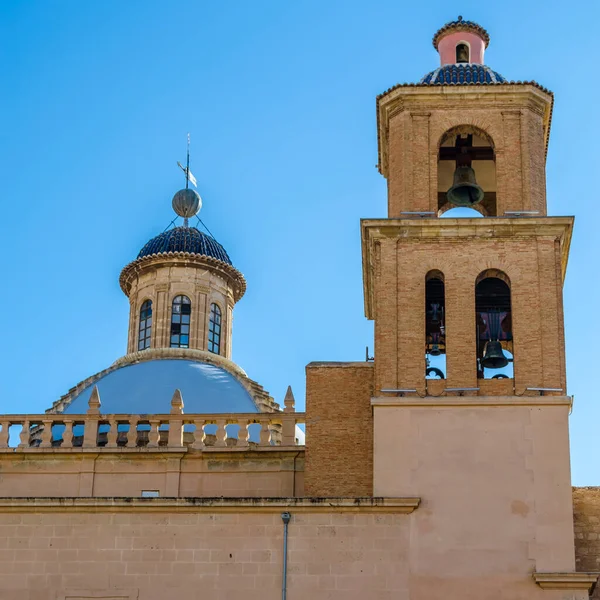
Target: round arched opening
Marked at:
493, 321
467, 170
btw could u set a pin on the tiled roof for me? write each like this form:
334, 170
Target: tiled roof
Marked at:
463, 73
185, 239
460, 25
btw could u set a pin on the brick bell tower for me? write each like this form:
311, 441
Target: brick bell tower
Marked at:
465, 404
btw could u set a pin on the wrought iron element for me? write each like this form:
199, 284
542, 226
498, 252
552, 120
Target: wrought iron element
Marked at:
435, 371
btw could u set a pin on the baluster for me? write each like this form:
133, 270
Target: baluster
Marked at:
243, 434
288, 429
153, 434
90, 432
112, 433
265, 433
4, 434
67, 435
221, 434
132, 434
46, 434
24, 436
199, 435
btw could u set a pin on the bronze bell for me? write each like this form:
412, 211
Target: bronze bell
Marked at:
465, 191
493, 357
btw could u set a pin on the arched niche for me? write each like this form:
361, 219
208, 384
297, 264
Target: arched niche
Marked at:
493, 322
435, 325
467, 146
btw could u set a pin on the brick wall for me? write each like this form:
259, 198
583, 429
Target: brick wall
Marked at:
339, 429
404, 251
412, 124
586, 509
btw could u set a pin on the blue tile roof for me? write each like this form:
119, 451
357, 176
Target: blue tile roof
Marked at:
462, 73
147, 388
185, 239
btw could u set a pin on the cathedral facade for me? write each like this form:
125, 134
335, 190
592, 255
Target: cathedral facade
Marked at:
439, 469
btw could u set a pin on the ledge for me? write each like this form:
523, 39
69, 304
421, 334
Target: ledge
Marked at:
566, 581
221, 505
472, 401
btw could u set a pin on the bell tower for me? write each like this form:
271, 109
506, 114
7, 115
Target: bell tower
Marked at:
468, 393
466, 303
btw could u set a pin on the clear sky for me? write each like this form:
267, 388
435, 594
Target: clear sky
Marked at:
279, 97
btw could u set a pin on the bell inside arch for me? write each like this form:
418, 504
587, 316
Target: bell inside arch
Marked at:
493, 356
465, 191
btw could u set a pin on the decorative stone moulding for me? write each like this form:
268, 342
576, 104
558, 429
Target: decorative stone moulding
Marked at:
213, 505
230, 274
566, 581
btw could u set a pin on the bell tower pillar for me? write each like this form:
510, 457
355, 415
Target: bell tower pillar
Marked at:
470, 404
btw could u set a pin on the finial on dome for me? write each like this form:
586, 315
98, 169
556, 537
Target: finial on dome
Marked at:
94, 402
177, 403
289, 400
187, 202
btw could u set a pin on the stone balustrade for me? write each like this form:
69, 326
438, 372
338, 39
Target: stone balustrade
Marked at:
174, 430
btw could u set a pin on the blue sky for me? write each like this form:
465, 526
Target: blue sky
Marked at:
279, 97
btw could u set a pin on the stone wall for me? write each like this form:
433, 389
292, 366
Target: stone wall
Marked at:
123, 472
339, 429
586, 509
135, 550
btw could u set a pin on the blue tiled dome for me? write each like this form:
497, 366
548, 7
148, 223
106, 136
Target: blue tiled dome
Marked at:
148, 387
463, 73
185, 239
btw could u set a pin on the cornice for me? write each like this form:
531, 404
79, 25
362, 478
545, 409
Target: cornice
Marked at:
566, 581
471, 401
210, 505
157, 261
434, 230
424, 97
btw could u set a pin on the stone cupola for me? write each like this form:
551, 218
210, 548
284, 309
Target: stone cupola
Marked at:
182, 288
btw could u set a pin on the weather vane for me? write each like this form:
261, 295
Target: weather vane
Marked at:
187, 202
189, 178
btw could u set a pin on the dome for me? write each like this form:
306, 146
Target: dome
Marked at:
460, 25
462, 74
148, 387
185, 239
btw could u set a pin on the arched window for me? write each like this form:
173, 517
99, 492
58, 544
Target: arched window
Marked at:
435, 332
467, 171
462, 53
494, 326
145, 328
214, 329
180, 322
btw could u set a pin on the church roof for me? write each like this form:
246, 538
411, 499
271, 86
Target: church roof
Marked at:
147, 388
462, 73
185, 239
461, 25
